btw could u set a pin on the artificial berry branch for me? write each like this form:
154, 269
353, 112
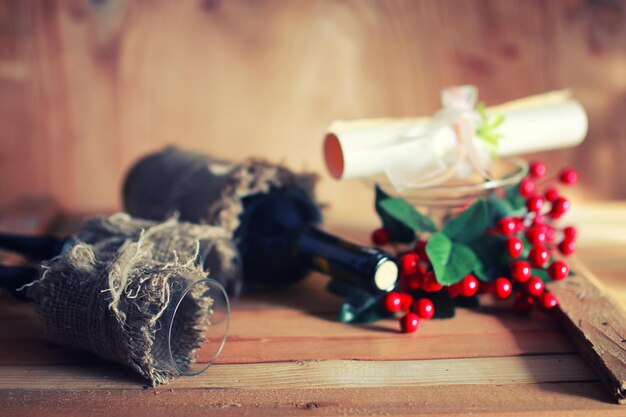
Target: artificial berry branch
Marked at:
504, 244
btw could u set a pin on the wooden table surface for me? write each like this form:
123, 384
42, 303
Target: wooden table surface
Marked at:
286, 355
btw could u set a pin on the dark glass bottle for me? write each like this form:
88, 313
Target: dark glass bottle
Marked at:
279, 244
277, 236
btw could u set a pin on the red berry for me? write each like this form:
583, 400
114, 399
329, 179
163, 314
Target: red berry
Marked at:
469, 286
520, 271
536, 235
558, 270
537, 169
550, 233
502, 288
519, 224
539, 255
412, 282
430, 283
406, 301
535, 203
567, 247
534, 286
551, 194
409, 322
560, 207
570, 232
393, 301
424, 308
568, 176
420, 250
526, 187
432, 286
507, 226
380, 236
409, 264
523, 304
548, 301
514, 246
539, 219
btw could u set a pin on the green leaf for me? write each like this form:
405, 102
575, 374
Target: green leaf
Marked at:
489, 251
359, 306
470, 224
499, 207
397, 230
497, 120
402, 211
362, 307
541, 273
514, 198
451, 261
341, 288
486, 129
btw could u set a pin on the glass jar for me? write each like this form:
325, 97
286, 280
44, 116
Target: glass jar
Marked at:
448, 199
193, 328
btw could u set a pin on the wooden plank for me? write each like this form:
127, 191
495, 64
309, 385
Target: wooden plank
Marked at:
39, 351
421, 347
248, 325
582, 399
597, 325
291, 323
316, 374
287, 334
278, 335
269, 329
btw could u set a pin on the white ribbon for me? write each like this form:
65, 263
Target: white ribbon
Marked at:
425, 156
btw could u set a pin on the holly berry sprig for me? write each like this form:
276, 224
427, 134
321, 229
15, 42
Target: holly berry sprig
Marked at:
506, 244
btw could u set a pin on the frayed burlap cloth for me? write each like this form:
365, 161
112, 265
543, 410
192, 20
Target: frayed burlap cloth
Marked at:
202, 189
111, 292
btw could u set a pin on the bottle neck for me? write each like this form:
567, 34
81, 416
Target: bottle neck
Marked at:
280, 245
37, 248
365, 267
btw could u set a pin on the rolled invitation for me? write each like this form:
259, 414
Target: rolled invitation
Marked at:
420, 148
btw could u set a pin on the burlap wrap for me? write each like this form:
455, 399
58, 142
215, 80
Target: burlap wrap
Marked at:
201, 189
109, 292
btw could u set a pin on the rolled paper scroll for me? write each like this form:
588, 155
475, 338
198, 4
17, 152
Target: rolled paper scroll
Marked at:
417, 148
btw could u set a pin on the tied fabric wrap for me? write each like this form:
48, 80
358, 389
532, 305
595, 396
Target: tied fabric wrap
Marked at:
429, 155
111, 292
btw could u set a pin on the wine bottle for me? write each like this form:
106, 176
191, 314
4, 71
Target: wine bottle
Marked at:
14, 278
36, 248
42, 248
277, 236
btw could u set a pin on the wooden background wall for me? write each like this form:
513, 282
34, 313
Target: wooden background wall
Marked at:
86, 87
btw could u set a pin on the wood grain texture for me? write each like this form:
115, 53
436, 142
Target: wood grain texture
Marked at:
289, 357
315, 374
86, 87
598, 326
38, 351
583, 399
288, 335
